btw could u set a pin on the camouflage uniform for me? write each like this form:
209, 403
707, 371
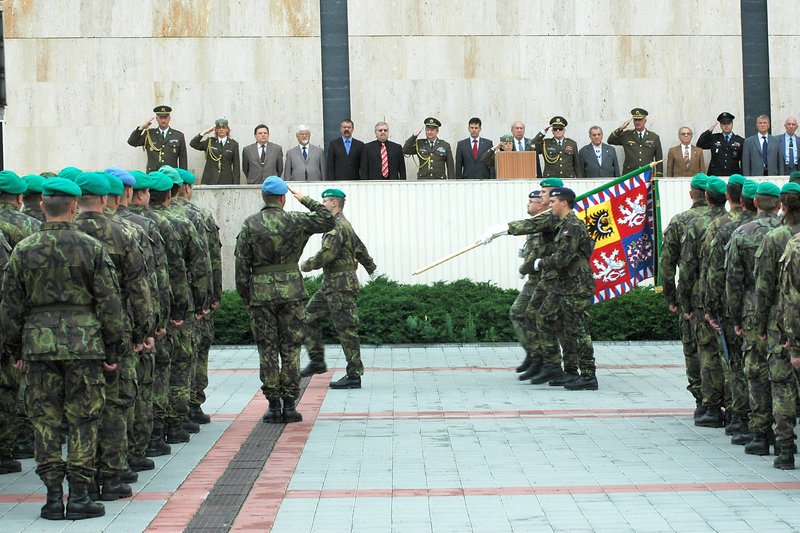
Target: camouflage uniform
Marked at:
268, 280
668, 264
33, 211
740, 293
64, 328
770, 302
9, 384
709, 349
15, 225
339, 256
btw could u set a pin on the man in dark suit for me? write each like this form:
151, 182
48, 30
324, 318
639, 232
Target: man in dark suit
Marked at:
382, 159
163, 145
469, 152
726, 147
262, 158
756, 147
787, 148
598, 159
344, 154
521, 143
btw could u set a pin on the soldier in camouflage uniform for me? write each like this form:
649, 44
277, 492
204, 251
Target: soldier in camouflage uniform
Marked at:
9, 389
126, 253
63, 319
717, 308
670, 255
341, 252
33, 197
269, 282
767, 324
709, 349
741, 295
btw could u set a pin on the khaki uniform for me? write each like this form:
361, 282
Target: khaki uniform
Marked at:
435, 158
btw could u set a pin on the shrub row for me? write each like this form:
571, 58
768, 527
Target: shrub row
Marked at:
462, 311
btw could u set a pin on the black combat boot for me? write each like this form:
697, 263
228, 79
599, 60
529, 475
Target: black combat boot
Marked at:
129, 476
563, 379
93, 487
743, 437
23, 447
157, 446
346, 382
176, 434
9, 465
53, 509
713, 418
79, 505
546, 373
785, 461
114, 489
700, 410
290, 414
735, 426
525, 364
582, 383
531, 371
758, 446
273, 415
197, 415
314, 367
139, 464
190, 426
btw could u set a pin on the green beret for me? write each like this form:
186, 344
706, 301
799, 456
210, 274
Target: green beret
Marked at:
716, 186
336, 193
768, 189
506, 138
699, 181
750, 189
791, 188
10, 183
92, 184
60, 187
794, 176
34, 183
737, 179
160, 182
142, 180
171, 174
115, 185
551, 182
69, 173
187, 177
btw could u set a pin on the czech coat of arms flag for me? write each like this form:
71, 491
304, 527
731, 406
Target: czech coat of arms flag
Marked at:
621, 219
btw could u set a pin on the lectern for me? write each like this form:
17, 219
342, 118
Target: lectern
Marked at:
515, 165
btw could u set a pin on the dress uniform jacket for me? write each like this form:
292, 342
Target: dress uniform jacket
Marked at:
638, 153
222, 160
726, 156
435, 159
559, 161
161, 151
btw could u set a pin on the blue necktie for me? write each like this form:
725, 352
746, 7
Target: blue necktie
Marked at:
728, 139
305, 154
347, 146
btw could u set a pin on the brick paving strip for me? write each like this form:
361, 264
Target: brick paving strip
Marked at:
456, 368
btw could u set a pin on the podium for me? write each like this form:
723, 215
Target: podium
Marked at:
515, 165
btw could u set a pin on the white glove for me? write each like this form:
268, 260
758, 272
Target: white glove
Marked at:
375, 275
536, 264
494, 231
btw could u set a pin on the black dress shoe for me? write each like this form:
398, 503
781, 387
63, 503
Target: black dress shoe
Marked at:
197, 415
314, 367
582, 383
547, 373
347, 382
563, 379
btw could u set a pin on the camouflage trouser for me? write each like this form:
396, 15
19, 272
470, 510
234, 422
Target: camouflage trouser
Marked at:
75, 389
278, 330
112, 434
523, 328
140, 415
161, 373
180, 371
341, 306
756, 369
784, 379
546, 349
203, 341
9, 385
691, 357
712, 372
737, 383
566, 318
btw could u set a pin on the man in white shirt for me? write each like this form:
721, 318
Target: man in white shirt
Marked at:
598, 159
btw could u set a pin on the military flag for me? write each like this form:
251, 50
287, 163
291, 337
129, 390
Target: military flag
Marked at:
622, 219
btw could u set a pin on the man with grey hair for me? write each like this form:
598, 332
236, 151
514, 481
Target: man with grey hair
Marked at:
760, 155
685, 160
787, 148
598, 159
521, 143
382, 159
304, 162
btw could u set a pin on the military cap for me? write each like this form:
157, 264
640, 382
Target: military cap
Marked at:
141, 180
48, 174
187, 177
124, 176
162, 110
274, 186
60, 187
766, 188
34, 183
507, 138
749, 189
431, 122
699, 181
790, 188
795, 176
92, 184
725, 118
558, 121
737, 179
535, 194
10, 183
69, 173
336, 193
714, 185
563, 192
638, 112
115, 185
221, 122
551, 182
160, 182
172, 174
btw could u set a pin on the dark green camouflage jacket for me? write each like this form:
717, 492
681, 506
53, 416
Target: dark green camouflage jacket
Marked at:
191, 213
789, 284
671, 248
16, 225
34, 212
714, 288
268, 248
708, 283
537, 245
769, 299
5, 252
689, 295
569, 262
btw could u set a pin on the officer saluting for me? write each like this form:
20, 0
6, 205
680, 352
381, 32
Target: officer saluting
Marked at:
726, 147
560, 153
640, 145
163, 145
435, 158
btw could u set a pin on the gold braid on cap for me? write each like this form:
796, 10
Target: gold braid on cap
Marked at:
150, 145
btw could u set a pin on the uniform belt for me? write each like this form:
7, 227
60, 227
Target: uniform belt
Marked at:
336, 269
60, 307
280, 267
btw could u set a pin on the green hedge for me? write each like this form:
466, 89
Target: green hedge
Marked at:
460, 312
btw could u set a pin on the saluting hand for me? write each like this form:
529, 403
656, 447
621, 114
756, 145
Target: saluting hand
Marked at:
147, 123
209, 130
297, 194
418, 132
714, 126
625, 124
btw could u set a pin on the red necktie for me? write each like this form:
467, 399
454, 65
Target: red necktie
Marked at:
384, 161
474, 148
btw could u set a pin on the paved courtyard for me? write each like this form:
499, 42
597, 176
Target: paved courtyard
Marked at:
444, 438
